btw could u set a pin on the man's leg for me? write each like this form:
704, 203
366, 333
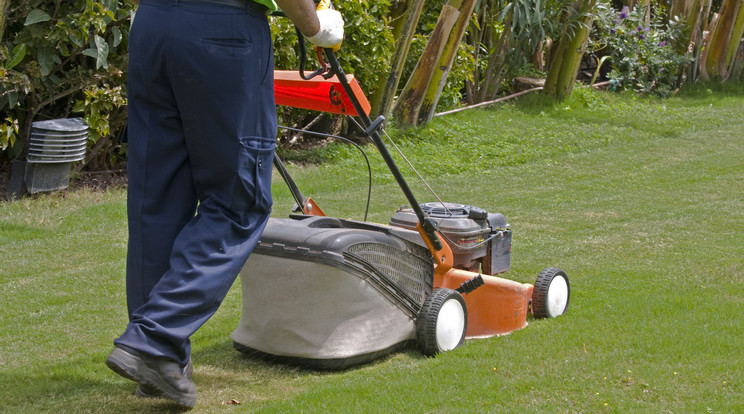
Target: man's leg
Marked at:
161, 195
220, 67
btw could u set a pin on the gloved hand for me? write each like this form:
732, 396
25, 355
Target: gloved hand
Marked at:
331, 32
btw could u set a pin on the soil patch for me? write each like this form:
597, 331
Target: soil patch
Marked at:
94, 180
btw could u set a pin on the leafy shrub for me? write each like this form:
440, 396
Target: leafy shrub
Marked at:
62, 59
644, 51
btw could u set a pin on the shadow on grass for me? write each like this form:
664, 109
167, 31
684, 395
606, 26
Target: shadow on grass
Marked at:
224, 376
74, 393
223, 357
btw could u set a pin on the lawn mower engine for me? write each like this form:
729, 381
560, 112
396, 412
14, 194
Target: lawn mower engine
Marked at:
480, 241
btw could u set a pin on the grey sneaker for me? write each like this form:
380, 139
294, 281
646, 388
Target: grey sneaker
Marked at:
163, 374
148, 391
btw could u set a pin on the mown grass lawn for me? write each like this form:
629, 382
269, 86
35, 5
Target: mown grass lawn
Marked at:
640, 201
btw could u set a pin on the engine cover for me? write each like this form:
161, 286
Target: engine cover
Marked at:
480, 241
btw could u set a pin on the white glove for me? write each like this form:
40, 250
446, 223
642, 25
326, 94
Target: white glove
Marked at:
331, 32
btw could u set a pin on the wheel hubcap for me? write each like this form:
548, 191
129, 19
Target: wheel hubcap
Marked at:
557, 296
450, 325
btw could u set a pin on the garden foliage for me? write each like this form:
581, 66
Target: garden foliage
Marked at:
643, 50
68, 58
63, 59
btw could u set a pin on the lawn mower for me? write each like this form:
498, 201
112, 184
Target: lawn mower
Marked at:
328, 293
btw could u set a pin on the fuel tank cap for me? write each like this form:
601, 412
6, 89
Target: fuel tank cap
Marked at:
445, 210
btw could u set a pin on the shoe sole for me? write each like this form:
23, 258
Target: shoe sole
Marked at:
149, 392
134, 368
140, 392
123, 363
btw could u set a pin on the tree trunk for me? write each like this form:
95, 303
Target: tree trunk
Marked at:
724, 40
492, 78
382, 100
409, 103
692, 11
684, 9
444, 65
566, 58
4, 5
689, 10
432, 66
738, 72
479, 38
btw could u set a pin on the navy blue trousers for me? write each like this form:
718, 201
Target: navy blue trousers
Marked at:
202, 128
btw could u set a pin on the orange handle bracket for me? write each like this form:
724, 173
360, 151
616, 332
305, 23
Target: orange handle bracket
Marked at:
443, 258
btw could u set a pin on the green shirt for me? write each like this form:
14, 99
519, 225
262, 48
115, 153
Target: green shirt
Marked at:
269, 4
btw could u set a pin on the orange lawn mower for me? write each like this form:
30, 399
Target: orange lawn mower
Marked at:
329, 293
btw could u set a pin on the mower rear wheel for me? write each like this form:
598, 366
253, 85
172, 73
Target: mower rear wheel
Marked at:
551, 294
442, 322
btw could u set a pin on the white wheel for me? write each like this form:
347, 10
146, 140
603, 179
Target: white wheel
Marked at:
551, 294
442, 322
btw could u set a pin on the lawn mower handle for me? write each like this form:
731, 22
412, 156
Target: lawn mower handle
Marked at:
428, 225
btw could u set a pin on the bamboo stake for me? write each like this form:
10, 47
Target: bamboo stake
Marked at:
409, 103
444, 65
382, 101
4, 6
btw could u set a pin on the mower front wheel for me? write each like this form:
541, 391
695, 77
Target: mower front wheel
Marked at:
442, 322
551, 293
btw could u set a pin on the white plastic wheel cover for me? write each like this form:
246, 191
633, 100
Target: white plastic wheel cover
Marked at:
450, 325
557, 296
